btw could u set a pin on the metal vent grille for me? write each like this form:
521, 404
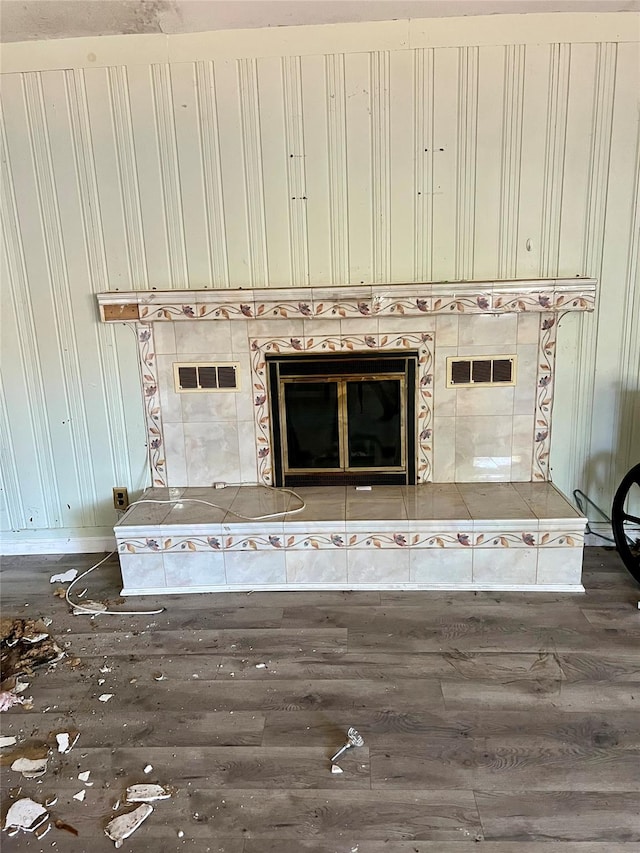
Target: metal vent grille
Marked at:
486, 370
206, 377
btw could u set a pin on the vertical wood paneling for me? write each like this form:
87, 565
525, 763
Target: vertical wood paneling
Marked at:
234, 179
359, 144
213, 213
466, 161
252, 160
493, 154
402, 166
317, 147
437, 163
444, 250
100, 339
615, 434
25, 385
11, 503
554, 158
63, 264
423, 63
191, 223
511, 160
170, 176
296, 171
337, 154
380, 169
138, 88
281, 200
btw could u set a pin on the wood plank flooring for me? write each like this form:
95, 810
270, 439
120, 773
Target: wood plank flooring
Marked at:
492, 722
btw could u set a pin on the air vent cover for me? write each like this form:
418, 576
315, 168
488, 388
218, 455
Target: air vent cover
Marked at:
206, 377
481, 371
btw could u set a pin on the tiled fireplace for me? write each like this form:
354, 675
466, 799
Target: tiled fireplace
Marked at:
478, 511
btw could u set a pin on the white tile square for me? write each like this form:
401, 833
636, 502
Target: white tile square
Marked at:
212, 453
208, 406
484, 401
142, 571
504, 565
483, 448
446, 331
194, 568
203, 336
378, 566
560, 565
528, 328
316, 566
441, 565
164, 338
255, 567
488, 329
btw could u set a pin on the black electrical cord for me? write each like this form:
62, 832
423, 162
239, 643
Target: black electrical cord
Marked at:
578, 495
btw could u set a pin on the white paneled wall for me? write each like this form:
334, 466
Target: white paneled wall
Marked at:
393, 159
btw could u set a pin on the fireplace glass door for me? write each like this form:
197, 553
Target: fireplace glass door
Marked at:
342, 420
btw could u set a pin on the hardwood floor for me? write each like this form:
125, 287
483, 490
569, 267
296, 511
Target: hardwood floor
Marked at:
494, 722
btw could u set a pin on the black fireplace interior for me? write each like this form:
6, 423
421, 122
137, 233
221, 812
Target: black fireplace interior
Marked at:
343, 419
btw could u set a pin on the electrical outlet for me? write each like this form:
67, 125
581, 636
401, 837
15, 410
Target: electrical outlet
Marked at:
120, 497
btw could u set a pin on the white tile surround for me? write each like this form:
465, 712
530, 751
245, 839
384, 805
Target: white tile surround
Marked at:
478, 438
454, 536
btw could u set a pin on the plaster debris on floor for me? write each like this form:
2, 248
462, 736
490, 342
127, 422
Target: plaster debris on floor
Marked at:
123, 826
31, 768
25, 815
64, 577
7, 740
146, 793
66, 741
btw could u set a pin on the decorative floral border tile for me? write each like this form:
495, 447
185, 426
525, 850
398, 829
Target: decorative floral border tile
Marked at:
152, 407
576, 294
544, 396
421, 341
354, 541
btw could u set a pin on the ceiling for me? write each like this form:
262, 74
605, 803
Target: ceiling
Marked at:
26, 20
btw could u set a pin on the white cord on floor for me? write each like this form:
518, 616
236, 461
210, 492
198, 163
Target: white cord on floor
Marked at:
237, 514
90, 611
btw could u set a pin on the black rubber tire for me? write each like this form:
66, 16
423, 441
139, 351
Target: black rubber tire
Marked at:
630, 554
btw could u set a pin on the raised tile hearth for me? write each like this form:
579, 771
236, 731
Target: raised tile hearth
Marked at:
465, 536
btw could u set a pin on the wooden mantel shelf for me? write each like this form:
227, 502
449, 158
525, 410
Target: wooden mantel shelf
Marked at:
477, 297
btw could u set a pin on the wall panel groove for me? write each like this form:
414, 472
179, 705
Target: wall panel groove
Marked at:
424, 156
296, 174
380, 166
128, 174
466, 161
556, 125
212, 169
171, 191
512, 116
252, 160
337, 156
